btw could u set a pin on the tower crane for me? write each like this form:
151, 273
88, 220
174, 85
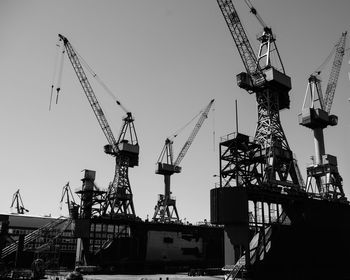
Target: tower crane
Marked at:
316, 116
125, 149
165, 210
265, 76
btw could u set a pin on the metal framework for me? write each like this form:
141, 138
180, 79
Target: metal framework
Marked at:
257, 173
118, 199
271, 87
241, 161
165, 211
333, 78
18, 203
323, 178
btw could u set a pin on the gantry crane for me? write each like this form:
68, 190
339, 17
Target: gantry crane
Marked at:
118, 199
165, 210
17, 202
265, 76
316, 116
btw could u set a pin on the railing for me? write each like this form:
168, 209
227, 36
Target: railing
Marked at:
259, 245
123, 233
13, 247
231, 136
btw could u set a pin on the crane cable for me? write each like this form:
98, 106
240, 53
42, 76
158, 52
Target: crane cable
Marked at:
86, 65
177, 132
326, 61
60, 71
98, 79
255, 12
54, 75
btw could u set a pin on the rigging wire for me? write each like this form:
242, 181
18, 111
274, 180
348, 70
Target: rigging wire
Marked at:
92, 72
98, 79
177, 132
54, 75
326, 61
60, 70
255, 12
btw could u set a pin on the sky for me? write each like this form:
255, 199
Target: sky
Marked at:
164, 60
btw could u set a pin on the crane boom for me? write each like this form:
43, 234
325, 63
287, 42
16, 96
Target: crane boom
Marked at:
73, 57
259, 68
333, 78
239, 35
193, 134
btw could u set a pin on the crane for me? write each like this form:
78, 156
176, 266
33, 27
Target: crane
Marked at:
18, 203
265, 76
70, 201
165, 210
316, 116
125, 149
256, 175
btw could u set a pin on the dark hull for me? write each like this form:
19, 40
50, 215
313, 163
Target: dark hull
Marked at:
157, 247
143, 247
315, 246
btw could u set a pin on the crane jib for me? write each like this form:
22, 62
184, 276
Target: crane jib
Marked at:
89, 92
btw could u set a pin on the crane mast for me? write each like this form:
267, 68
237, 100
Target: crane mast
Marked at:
323, 178
118, 199
165, 210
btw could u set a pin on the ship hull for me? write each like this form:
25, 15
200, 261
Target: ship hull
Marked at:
118, 245
157, 247
316, 245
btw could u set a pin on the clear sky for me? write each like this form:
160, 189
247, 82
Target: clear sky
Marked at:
165, 60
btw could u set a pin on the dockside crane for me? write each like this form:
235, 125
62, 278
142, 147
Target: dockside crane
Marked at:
17, 202
259, 175
165, 210
265, 76
118, 200
67, 196
323, 177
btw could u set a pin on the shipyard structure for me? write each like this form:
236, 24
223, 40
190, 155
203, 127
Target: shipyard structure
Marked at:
266, 221
109, 245
103, 232
280, 226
